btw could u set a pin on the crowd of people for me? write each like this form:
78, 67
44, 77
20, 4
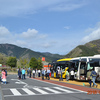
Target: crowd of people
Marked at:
91, 75
34, 73
45, 74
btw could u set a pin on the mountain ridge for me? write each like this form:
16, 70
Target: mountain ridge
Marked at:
89, 49
17, 51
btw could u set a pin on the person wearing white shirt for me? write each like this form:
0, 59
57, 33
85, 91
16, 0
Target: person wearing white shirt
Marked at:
33, 73
39, 73
48, 72
72, 74
36, 73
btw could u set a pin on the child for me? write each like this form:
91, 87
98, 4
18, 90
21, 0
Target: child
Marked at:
3, 76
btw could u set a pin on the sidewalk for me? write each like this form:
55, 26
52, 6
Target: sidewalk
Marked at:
72, 84
76, 82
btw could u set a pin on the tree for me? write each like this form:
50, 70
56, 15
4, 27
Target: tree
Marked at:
3, 59
40, 64
12, 62
23, 61
33, 63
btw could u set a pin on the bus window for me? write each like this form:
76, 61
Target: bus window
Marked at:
96, 64
76, 66
90, 66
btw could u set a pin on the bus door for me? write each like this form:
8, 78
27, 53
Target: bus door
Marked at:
96, 62
90, 67
83, 66
76, 69
97, 69
74, 64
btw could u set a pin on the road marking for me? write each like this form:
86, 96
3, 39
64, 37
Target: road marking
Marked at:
52, 90
41, 91
15, 92
28, 91
20, 82
68, 91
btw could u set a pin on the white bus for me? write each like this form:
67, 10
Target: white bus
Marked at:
82, 65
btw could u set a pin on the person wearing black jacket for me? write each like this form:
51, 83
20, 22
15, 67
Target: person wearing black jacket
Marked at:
19, 73
30, 72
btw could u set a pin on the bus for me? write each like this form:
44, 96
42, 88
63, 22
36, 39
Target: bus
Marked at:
82, 65
61, 63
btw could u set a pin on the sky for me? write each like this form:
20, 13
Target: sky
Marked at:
55, 26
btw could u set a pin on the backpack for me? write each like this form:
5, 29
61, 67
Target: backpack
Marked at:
6, 73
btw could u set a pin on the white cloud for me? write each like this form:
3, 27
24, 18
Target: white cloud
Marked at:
31, 33
4, 31
33, 40
67, 27
66, 7
24, 7
94, 33
29, 39
20, 43
46, 45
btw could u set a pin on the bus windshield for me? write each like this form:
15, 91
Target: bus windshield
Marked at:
74, 65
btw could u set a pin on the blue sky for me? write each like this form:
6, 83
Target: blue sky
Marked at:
55, 26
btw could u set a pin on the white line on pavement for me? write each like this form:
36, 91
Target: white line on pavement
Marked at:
59, 85
52, 90
68, 91
40, 90
28, 91
15, 92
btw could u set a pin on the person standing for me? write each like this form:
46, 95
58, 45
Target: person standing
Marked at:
72, 73
43, 74
27, 72
6, 72
61, 75
30, 72
23, 73
48, 72
58, 72
36, 73
67, 75
39, 73
3, 76
33, 73
89, 77
19, 73
94, 74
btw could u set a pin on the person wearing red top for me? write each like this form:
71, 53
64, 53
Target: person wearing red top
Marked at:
3, 76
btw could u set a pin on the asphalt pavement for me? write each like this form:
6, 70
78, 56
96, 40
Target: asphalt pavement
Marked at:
33, 89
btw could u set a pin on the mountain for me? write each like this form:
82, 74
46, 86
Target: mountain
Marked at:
16, 51
89, 49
